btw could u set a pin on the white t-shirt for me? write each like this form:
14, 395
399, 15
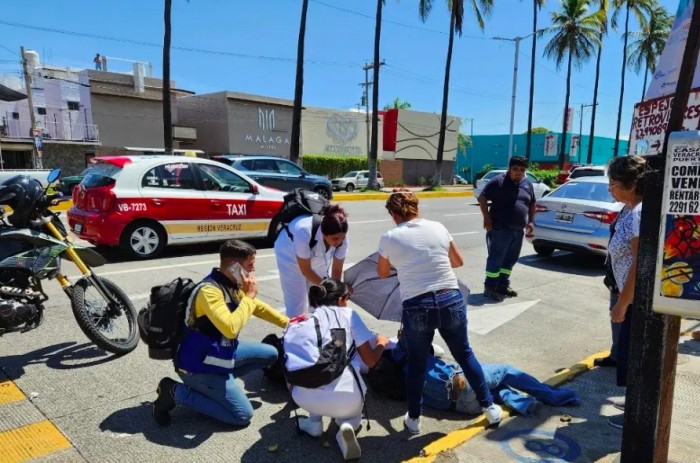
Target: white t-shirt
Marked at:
360, 334
419, 250
287, 250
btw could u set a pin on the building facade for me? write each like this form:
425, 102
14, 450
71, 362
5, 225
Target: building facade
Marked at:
238, 123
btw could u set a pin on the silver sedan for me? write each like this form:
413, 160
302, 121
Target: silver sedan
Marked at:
575, 217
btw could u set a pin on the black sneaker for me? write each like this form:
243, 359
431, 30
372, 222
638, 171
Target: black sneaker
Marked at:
491, 293
508, 292
605, 362
165, 401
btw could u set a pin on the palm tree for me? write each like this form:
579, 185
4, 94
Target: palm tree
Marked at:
603, 7
167, 113
536, 5
481, 9
650, 41
298, 87
374, 143
576, 34
398, 103
639, 8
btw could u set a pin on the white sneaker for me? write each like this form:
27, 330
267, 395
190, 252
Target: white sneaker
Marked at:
347, 441
412, 424
311, 427
619, 404
438, 351
494, 414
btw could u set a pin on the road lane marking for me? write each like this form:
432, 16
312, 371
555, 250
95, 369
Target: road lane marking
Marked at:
463, 213
368, 221
31, 441
465, 233
484, 321
162, 267
9, 392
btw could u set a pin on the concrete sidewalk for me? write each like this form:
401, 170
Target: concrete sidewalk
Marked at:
581, 434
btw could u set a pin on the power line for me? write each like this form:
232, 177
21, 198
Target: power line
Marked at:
11, 51
395, 23
158, 45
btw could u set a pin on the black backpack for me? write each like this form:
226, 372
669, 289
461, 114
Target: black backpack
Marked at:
386, 378
275, 372
161, 322
300, 202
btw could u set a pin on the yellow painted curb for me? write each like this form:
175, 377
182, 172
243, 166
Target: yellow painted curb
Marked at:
456, 438
9, 392
32, 441
419, 194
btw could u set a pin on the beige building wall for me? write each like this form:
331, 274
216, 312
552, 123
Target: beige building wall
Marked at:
417, 136
209, 115
127, 122
336, 132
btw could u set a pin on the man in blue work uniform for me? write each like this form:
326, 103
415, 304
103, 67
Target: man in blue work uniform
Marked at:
512, 210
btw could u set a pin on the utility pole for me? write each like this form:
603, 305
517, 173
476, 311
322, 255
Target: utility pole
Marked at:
580, 128
512, 104
32, 117
365, 101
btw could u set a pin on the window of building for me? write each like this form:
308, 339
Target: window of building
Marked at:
41, 111
15, 115
73, 106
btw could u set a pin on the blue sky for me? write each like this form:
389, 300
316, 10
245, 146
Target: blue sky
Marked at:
259, 39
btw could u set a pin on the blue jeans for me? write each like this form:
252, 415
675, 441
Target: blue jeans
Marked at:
218, 396
614, 328
445, 311
504, 250
503, 380
623, 350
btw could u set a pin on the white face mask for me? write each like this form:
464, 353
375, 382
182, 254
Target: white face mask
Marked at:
238, 271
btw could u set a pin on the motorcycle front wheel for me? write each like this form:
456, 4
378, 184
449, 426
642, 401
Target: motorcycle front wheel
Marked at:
116, 333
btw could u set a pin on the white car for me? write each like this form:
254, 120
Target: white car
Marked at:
355, 179
541, 189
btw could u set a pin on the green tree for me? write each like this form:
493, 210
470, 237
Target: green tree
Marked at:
648, 43
603, 8
536, 6
398, 103
539, 130
639, 8
298, 87
576, 34
167, 111
481, 8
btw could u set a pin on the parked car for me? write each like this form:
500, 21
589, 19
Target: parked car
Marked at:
66, 184
355, 179
143, 203
541, 189
575, 217
278, 173
579, 170
458, 180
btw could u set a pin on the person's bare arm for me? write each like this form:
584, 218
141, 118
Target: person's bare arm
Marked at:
456, 259
371, 355
484, 207
307, 271
337, 268
383, 267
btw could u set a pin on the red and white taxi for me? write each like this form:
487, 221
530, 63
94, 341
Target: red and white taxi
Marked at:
142, 203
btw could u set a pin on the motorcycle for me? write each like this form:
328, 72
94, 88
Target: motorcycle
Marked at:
33, 241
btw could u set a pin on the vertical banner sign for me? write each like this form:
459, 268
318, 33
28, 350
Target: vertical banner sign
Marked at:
677, 285
575, 144
550, 145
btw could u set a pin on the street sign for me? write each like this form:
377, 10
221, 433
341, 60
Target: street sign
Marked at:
550, 145
677, 285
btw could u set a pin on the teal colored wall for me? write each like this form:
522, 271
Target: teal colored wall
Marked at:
493, 149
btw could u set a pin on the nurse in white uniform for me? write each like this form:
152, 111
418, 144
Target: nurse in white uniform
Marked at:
301, 266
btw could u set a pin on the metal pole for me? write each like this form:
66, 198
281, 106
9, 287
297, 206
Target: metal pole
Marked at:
32, 118
580, 134
367, 68
512, 104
